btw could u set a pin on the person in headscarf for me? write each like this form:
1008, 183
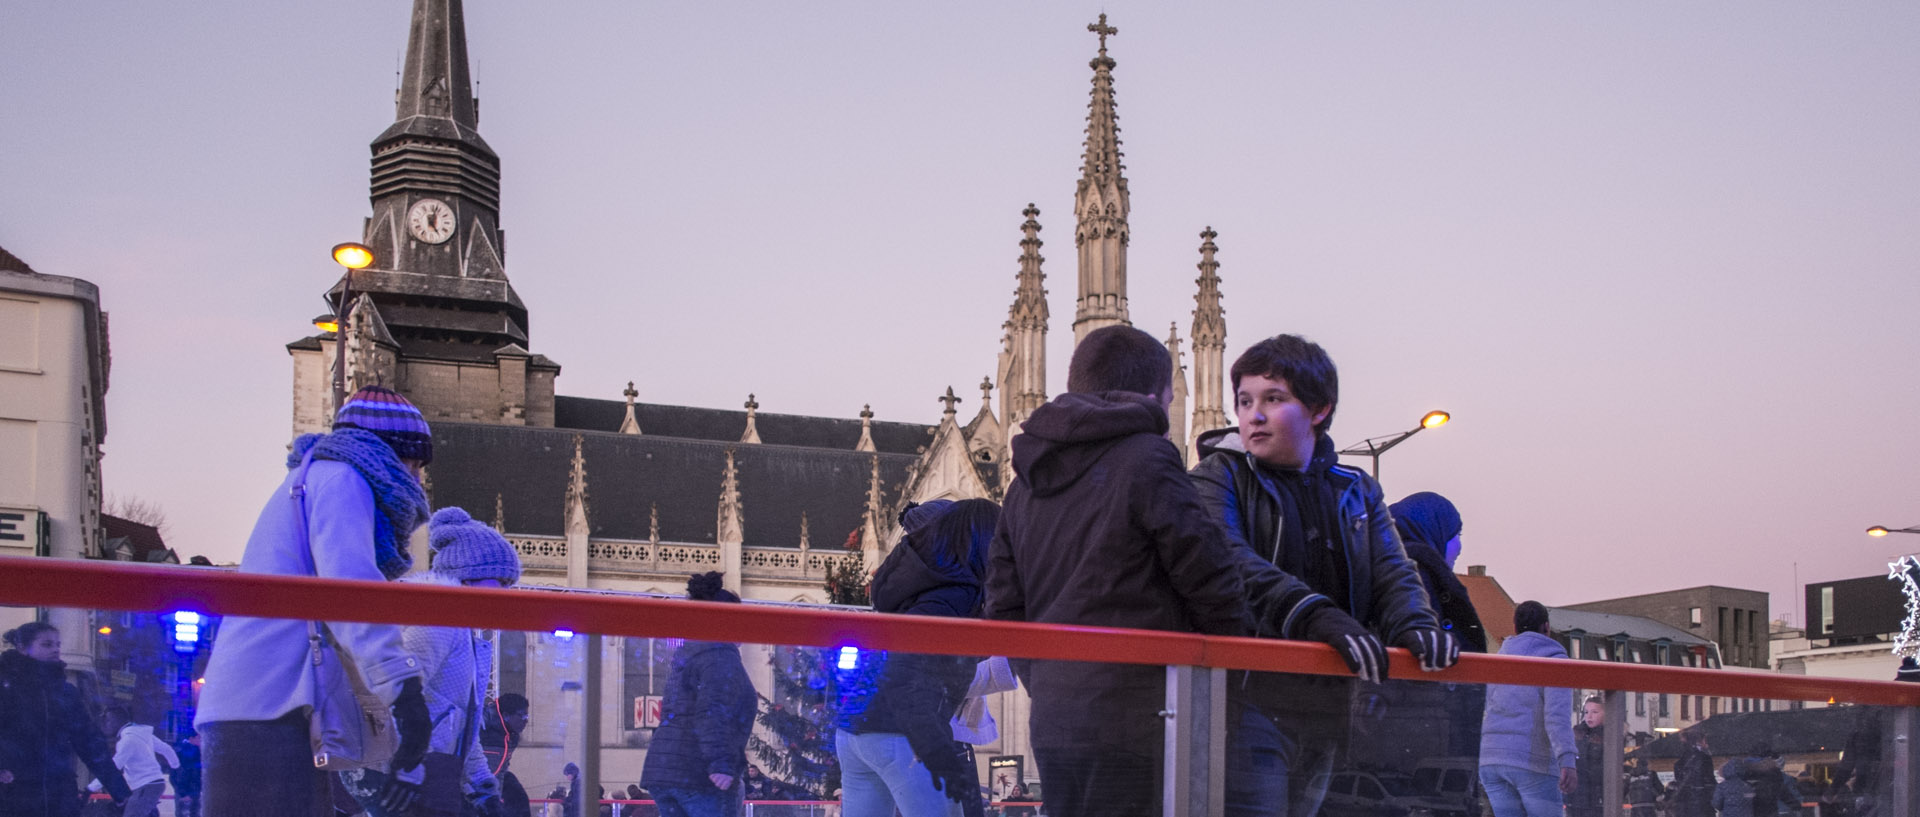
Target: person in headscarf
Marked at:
1429, 527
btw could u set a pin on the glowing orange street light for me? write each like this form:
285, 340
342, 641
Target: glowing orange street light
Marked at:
354, 257
1882, 530
1375, 446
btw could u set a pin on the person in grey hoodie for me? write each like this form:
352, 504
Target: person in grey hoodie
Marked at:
1526, 736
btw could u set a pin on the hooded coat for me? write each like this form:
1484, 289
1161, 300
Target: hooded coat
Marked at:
705, 719
1102, 527
1529, 727
1426, 522
43, 726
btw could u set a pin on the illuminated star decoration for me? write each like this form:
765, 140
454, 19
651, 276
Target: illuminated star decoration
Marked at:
1906, 570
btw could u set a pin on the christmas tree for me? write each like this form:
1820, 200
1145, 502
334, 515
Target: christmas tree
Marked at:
847, 579
801, 720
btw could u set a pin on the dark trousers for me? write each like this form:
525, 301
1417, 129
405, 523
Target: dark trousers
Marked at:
1099, 781
261, 769
1274, 771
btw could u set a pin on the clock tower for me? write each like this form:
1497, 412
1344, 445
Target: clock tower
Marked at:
444, 326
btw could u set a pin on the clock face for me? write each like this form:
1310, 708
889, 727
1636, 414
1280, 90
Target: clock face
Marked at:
431, 220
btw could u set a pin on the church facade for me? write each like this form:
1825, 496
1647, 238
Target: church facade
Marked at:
620, 494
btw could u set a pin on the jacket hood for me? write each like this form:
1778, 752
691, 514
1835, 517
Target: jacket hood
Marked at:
1533, 645
137, 729
1228, 440
1065, 437
1426, 517
916, 568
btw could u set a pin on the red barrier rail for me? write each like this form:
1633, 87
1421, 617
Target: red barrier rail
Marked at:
122, 586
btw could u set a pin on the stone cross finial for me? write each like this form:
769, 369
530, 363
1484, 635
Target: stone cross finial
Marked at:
866, 430
986, 390
1101, 28
866, 412
950, 400
751, 406
630, 393
752, 434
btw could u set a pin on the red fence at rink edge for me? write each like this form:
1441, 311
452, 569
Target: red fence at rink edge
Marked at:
28, 581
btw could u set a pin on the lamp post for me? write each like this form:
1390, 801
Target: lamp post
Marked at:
1375, 446
352, 256
1881, 530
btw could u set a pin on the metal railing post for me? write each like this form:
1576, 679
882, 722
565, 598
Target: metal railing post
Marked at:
590, 730
1905, 787
1613, 757
1194, 772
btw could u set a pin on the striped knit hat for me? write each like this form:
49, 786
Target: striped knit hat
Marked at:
391, 418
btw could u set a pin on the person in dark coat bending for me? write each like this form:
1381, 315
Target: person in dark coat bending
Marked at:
894, 741
699, 753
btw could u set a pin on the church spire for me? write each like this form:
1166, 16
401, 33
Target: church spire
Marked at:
1023, 354
730, 526
1177, 408
435, 82
1209, 342
1100, 203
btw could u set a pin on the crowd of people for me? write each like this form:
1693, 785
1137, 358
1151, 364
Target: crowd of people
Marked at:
1103, 525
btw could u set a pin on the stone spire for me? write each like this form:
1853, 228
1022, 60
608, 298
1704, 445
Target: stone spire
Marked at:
952, 401
1023, 355
499, 513
752, 434
730, 530
435, 85
630, 424
578, 529
804, 543
1100, 204
653, 523
1209, 344
866, 430
1177, 410
872, 521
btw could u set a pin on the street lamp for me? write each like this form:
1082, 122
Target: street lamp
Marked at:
1882, 530
354, 257
1375, 446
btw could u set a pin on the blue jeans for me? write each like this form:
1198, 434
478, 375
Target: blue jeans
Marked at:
880, 773
1517, 792
697, 802
1269, 772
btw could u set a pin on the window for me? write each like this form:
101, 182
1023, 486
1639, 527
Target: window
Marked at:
1686, 712
1826, 610
1693, 617
1640, 703
644, 665
1664, 712
512, 651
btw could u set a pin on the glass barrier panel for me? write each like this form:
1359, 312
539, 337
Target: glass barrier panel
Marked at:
572, 723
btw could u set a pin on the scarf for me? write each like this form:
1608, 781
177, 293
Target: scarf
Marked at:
400, 503
1311, 542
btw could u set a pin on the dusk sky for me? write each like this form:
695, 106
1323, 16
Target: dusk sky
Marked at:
1659, 260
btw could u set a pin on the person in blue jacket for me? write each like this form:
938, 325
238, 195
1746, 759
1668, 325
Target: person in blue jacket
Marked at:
699, 753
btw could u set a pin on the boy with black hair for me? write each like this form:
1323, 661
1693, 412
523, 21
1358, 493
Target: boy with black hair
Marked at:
1101, 527
1320, 559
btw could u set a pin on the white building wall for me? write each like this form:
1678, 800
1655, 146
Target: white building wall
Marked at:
50, 368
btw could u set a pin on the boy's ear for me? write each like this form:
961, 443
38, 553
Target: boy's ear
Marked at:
1320, 415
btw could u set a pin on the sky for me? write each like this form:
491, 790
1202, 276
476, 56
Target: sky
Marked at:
1658, 260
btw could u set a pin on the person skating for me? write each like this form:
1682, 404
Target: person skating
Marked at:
1320, 560
139, 755
698, 754
1102, 527
43, 727
505, 722
893, 734
459, 668
349, 502
1527, 753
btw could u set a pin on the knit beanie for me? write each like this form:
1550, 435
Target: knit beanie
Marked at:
467, 550
918, 515
391, 418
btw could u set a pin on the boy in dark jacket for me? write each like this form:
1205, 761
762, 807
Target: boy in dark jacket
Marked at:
1101, 527
1317, 552
699, 753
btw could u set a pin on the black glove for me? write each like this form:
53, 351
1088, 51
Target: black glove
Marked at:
1358, 646
410, 714
396, 797
952, 775
489, 805
1436, 649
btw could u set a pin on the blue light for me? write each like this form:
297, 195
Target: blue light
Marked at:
186, 617
563, 635
849, 657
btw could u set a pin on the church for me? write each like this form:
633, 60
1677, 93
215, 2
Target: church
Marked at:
615, 494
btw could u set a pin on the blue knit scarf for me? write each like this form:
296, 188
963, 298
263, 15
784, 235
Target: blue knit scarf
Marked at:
397, 496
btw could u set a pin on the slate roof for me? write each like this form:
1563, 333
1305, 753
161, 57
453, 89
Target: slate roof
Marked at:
528, 469
142, 542
725, 425
1605, 624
